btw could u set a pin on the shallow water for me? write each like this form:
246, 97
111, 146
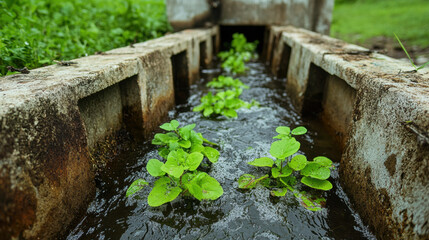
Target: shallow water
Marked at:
238, 214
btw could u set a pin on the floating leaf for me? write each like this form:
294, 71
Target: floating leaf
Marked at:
211, 153
279, 192
163, 192
299, 131
136, 186
153, 167
316, 183
310, 202
298, 162
262, 162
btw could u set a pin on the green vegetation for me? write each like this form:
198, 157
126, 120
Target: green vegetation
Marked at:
184, 151
241, 51
360, 20
226, 102
226, 82
281, 178
408, 55
223, 103
33, 33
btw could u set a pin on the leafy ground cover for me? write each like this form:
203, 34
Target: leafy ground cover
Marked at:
33, 33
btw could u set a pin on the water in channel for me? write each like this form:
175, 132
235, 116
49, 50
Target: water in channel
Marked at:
238, 214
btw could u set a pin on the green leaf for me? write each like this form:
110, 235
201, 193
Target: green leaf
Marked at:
185, 132
154, 168
185, 143
171, 126
136, 186
283, 130
163, 152
284, 148
172, 166
211, 153
197, 148
231, 113
247, 181
298, 162
316, 183
262, 162
323, 161
279, 192
285, 171
163, 192
315, 170
194, 160
299, 131
405, 50
203, 186
208, 111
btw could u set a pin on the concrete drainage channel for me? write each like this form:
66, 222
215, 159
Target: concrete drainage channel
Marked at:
58, 124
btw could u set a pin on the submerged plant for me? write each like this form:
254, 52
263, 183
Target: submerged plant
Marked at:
184, 151
223, 103
226, 82
286, 166
406, 52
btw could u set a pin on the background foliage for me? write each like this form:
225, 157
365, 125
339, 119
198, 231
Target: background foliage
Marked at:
35, 32
360, 20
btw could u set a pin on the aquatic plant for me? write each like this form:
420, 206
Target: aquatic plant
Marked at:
226, 82
241, 51
184, 151
286, 166
223, 103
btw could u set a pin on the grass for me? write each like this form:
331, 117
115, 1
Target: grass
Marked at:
33, 33
360, 20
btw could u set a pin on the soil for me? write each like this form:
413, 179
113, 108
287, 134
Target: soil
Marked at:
391, 48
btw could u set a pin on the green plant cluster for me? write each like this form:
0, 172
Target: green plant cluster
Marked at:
286, 165
183, 150
241, 51
227, 101
35, 32
223, 103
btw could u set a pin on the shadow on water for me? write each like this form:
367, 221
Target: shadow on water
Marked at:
237, 214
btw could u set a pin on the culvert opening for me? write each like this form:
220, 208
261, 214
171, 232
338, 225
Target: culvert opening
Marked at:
284, 61
203, 54
114, 108
313, 96
179, 63
252, 33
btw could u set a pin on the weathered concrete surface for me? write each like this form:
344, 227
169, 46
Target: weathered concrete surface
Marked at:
386, 159
53, 117
314, 15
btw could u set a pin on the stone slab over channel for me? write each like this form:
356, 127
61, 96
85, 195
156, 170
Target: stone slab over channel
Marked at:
379, 110
315, 15
53, 118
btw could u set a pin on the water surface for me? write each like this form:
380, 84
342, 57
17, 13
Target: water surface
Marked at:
238, 214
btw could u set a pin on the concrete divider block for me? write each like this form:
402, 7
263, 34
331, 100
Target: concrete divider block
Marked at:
53, 119
380, 111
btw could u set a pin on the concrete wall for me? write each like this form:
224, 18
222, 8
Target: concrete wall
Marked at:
378, 111
53, 119
314, 15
